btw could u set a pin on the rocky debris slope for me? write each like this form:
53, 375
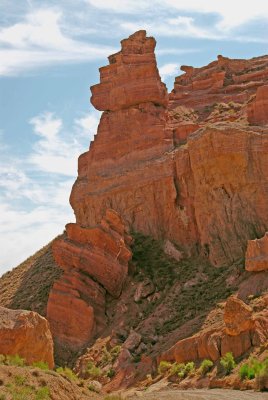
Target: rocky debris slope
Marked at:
28, 285
241, 330
27, 334
28, 383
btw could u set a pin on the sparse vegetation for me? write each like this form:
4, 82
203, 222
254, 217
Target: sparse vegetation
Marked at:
93, 371
228, 363
31, 282
206, 366
262, 376
164, 366
110, 373
115, 351
67, 373
180, 369
192, 299
41, 365
14, 360
19, 389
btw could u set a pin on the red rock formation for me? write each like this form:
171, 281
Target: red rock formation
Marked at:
184, 167
131, 78
257, 254
258, 108
136, 165
242, 330
27, 334
94, 260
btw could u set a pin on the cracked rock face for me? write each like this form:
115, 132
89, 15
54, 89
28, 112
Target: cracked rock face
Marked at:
183, 167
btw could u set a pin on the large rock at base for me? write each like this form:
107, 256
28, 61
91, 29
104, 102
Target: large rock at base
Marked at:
257, 254
27, 334
258, 108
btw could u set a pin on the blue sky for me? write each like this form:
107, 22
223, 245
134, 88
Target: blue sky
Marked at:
50, 52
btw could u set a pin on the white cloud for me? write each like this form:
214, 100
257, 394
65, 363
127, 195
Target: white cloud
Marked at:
168, 70
231, 13
56, 151
88, 124
39, 40
35, 190
180, 26
120, 6
24, 232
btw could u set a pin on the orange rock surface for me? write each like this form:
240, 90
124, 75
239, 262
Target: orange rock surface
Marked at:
27, 334
94, 260
241, 330
184, 167
188, 194
237, 316
257, 254
258, 108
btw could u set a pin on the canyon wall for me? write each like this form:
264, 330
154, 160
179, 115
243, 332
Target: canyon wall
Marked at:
188, 166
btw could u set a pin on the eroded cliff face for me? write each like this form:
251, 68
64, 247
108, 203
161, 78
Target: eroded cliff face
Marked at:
209, 193
95, 261
189, 167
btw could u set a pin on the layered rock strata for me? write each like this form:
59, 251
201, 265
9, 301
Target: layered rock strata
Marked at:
27, 334
95, 261
136, 165
185, 167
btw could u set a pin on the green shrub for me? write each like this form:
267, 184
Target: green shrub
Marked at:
92, 370
2, 359
41, 365
19, 380
164, 366
15, 360
106, 357
246, 372
262, 376
206, 366
228, 363
115, 352
189, 368
67, 373
176, 368
43, 393
110, 373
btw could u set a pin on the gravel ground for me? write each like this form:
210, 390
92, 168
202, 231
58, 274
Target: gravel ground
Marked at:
213, 394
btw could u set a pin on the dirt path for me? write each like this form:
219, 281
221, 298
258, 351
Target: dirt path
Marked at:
213, 394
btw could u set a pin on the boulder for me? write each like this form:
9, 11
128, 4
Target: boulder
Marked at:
27, 334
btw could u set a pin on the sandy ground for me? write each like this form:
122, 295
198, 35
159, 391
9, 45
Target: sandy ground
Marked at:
213, 394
